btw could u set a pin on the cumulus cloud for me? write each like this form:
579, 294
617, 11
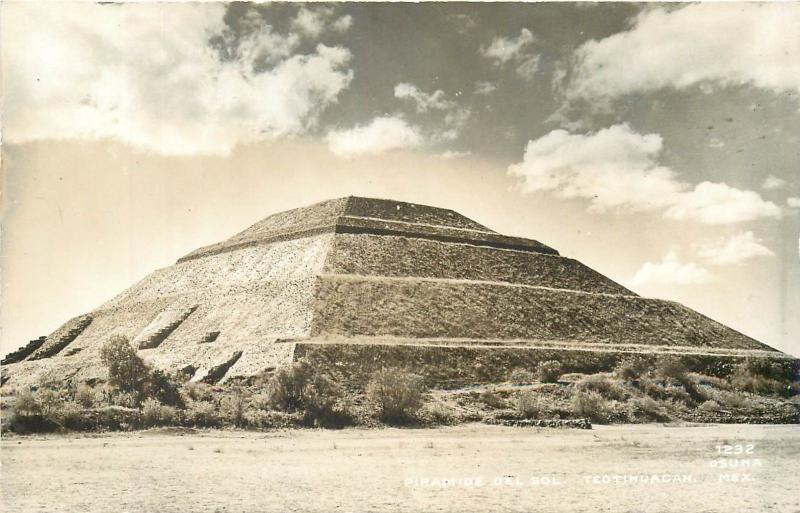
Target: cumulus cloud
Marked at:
726, 44
670, 271
793, 202
89, 71
455, 116
343, 23
617, 168
735, 250
381, 135
423, 101
313, 22
773, 182
517, 51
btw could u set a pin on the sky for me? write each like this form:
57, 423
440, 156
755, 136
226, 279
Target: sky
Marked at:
657, 143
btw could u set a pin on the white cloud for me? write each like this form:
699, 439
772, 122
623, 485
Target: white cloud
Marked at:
735, 250
793, 202
381, 135
343, 23
451, 154
773, 182
455, 117
423, 101
719, 203
517, 50
89, 71
311, 22
528, 68
504, 49
618, 168
725, 44
485, 88
670, 271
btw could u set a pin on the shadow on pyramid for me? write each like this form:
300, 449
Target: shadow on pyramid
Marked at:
357, 284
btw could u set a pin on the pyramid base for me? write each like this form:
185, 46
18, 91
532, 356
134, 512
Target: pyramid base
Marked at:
455, 366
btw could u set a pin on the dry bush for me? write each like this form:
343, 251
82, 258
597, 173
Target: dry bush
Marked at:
646, 408
158, 385
300, 387
202, 414
672, 368
261, 401
591, 405
156, 414
492, 399
197, 391
233, 406
710, 406
736, 400
86, 396
325, 403
50, 402
398, 394
548, 371
520, 376
605, 386
287, 385
632, 367
124, 399
25, 403
529, 404
759, 376
437, 412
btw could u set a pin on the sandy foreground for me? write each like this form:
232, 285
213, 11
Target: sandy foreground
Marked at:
628, 468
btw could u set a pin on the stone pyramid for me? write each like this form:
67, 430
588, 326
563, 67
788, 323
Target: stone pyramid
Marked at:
356, 283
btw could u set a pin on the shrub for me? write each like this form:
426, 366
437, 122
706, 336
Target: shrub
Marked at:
672, 368
159, 386
261, 401
25, 403
156, 414
126, 370
124, 399
604, 386
529, 404
492, 399
202, 414
300, 387
232, 407
85, 396
397, 394
324, 402
632, 367
287, 385
709, 406
759, 376
548, 371
50, 402
521, 376
197, 391
646, 408
590, 405
438, 413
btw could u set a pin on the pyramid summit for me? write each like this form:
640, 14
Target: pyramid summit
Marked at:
358, 283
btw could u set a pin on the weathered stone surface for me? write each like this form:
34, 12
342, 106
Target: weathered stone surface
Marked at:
358, 284
361, 254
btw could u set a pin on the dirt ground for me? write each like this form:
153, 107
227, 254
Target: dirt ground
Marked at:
621, 468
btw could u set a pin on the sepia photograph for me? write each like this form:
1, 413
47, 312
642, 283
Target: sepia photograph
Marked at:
384, 257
